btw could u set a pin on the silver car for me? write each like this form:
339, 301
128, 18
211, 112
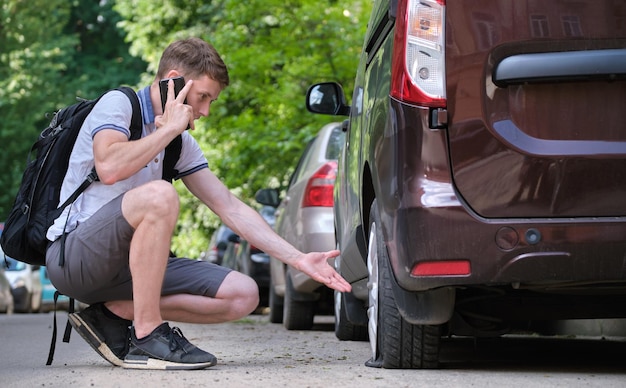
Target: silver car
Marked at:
6, 296
25, 284
305, 219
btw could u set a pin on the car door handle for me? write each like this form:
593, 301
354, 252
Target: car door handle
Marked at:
560, 66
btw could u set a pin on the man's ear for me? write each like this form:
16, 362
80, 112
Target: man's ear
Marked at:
172, 73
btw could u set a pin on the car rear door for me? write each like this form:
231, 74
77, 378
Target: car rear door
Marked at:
537, 120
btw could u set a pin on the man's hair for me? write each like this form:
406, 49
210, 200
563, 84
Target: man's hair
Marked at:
193, 58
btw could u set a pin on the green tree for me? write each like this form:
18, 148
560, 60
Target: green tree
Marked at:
274, 49
32, 55
101, 59
52, 51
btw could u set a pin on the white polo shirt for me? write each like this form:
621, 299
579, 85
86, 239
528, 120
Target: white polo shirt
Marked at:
114, 111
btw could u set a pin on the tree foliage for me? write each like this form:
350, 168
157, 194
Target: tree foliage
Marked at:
32, 55
53, 50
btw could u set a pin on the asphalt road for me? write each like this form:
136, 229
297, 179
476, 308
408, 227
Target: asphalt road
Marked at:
255, 353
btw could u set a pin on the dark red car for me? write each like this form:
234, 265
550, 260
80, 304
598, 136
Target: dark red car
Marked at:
482, 187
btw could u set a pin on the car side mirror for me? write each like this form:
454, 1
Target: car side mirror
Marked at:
234, 238
268, 197
327, 98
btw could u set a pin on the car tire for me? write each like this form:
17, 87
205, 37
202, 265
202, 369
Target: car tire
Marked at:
395, 343
297, 314
276, 306
28, 304
36, 303
344, 329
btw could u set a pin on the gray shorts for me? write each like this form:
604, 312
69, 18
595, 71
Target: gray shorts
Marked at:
96, 263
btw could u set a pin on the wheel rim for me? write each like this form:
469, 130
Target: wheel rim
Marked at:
372, 285
337, 309
337, 295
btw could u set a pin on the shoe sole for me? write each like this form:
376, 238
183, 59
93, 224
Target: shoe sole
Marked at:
92, 339
145, 362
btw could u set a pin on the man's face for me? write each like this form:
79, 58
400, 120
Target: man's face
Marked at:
202, 93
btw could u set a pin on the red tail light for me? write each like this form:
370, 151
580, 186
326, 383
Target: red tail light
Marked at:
319, 188
418, 66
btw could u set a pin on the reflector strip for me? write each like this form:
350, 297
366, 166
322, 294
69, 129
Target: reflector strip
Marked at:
442, 268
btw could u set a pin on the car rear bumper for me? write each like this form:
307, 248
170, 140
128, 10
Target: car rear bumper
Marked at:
549, 255
426, 219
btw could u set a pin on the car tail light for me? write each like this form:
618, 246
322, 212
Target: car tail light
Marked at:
319, 188
418, 68
254, 249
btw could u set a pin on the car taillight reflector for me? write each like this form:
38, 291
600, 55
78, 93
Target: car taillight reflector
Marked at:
418, 68
442, 268
319, 188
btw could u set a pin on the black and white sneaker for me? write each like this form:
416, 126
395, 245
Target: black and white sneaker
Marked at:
166, 348
109, 337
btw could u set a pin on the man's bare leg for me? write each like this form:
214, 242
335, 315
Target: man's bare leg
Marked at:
152, 210
237, 297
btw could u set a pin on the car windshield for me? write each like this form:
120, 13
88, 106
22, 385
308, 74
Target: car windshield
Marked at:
10, 264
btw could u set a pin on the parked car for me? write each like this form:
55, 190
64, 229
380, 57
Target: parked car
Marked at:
304, 218
246, 258
6, 296
481, 190
218, 245
25, 284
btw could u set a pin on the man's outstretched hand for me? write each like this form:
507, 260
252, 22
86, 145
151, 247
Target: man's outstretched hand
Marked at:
315, 264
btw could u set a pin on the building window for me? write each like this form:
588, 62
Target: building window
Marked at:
571, 26
486, 31
539, 26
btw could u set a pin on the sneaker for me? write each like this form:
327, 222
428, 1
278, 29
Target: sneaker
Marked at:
166, 348
109, 337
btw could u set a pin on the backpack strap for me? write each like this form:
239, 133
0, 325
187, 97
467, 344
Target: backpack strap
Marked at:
136, 122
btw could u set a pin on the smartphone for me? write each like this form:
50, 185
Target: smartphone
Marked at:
179, 83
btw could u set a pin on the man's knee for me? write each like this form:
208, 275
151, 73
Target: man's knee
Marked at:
156, 197
162, 195
156, 201
243, 293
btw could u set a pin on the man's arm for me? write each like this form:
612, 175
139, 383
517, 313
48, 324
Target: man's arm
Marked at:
116, 158
246, 222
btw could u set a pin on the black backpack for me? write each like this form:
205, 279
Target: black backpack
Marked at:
36, 204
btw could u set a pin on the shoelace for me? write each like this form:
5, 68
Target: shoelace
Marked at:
177, 339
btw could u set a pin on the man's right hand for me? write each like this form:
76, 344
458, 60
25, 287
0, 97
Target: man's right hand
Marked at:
177, 115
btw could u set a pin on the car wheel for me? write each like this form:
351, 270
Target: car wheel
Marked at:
36, 303
28, 304
394, 342
297, 314
344, 329
276, 306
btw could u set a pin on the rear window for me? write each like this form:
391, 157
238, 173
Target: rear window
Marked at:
335, 143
